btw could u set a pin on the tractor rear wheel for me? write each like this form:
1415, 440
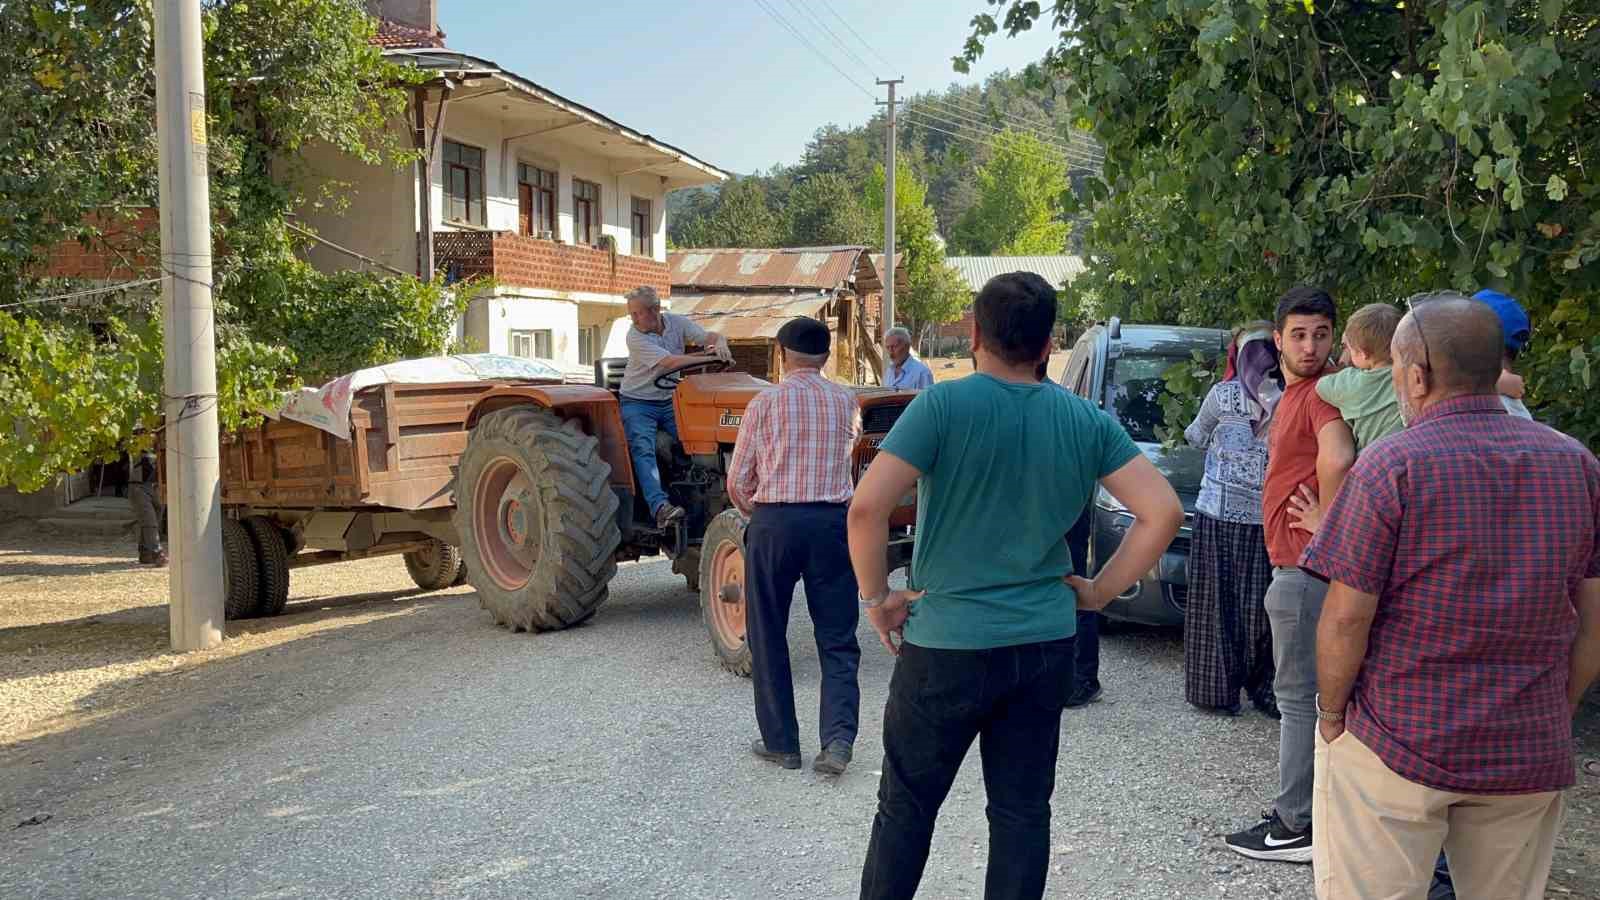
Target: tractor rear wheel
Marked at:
435, 567
240, 571
722, 600
537, 519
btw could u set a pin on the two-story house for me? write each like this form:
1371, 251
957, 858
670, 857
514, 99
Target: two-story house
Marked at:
565, 208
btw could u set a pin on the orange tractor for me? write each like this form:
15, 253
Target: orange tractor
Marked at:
522, 486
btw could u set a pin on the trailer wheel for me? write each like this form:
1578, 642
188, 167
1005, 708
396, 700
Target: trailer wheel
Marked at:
461, 571
240, 571
272, 565
537, 519
722, 601
434, 568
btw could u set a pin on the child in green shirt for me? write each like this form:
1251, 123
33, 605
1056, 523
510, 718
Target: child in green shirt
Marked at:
1364, 392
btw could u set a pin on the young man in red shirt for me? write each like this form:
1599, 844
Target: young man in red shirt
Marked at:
1309, 448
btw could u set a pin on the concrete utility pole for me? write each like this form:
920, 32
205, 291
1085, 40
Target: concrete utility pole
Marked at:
888, 212
194, 494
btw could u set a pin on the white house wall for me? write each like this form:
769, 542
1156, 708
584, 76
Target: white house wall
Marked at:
466, 123
372, 209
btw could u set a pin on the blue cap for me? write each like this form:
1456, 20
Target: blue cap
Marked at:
1513, 320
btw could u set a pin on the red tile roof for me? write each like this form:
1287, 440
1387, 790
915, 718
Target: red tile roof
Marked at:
394, 36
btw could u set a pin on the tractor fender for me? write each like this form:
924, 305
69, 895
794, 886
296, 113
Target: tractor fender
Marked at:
595, 407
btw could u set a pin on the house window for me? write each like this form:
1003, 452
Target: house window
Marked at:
587, 336
463, 184
536, 199
585, 212
642, 232
535, 344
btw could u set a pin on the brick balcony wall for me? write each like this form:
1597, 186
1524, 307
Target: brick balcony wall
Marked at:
122, 251
518, 261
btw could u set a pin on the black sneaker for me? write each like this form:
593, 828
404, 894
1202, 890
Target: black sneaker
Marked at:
1082, 697
1272, 841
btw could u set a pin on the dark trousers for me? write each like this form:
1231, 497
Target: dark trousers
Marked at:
1009, 699
785, 544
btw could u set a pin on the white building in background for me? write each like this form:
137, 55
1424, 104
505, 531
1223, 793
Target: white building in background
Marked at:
562, 206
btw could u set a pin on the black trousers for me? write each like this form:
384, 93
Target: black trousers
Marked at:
785, 544
1009, 699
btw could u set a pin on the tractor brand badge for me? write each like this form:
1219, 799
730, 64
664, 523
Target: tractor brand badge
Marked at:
730, 419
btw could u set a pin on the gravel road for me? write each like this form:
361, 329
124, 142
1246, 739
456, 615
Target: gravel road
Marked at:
376, 742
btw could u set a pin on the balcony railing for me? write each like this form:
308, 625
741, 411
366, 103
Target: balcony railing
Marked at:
516, 260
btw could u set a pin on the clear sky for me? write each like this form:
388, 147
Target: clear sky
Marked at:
724, 80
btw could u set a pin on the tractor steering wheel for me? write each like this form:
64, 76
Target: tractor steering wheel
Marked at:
668, 381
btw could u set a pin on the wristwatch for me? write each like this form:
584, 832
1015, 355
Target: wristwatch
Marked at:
1323, 714
872, 602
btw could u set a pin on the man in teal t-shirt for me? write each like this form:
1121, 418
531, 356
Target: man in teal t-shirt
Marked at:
1003, 467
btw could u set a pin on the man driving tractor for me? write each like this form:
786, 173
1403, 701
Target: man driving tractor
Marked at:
656, 345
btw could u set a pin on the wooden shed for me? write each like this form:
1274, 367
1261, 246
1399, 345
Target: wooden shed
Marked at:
747, 295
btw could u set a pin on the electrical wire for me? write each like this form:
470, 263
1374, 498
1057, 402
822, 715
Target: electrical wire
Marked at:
933, 123
778, 17
951, 118
961, 102
845, 22
108, 289
987, 141
800, 6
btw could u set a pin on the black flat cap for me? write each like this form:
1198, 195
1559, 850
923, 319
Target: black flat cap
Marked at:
804, 336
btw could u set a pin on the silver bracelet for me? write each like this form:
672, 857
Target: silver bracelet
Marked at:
1322, 714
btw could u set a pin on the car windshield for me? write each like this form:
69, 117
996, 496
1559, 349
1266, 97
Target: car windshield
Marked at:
1135, 394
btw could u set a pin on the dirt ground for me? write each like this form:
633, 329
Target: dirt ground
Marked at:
83, 629
949, 368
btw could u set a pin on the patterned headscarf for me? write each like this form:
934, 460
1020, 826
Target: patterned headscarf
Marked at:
1254, 363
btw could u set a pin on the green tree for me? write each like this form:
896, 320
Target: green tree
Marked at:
936, 293
1020, 194
76, 381
740, 217
1376, 149
824, 210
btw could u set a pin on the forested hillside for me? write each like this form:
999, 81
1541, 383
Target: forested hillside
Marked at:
945, 139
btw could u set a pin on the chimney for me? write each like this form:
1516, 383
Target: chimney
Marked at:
420, 14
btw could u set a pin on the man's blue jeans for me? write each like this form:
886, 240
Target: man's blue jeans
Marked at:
641, 419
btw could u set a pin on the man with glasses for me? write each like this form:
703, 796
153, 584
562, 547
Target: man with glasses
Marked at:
1446, 721
1308, 448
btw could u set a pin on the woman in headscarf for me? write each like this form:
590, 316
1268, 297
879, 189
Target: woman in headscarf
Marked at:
1227, 643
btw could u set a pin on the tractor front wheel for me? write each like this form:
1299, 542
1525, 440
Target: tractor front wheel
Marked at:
537, 519
722, 600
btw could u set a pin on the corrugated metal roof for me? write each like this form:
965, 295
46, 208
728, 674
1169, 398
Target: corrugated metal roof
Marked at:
818, 268
977, 270
744, 316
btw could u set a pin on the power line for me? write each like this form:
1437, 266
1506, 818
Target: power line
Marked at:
1078, 139
954, 118
928, 120
971, 106
801, 7
778, 17
108, 289
846, 23
987, 141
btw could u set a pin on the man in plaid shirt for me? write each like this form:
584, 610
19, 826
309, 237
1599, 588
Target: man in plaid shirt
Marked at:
791, 475
1461, 630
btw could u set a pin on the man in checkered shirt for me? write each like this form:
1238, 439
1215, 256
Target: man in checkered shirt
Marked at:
791, 475
1460, 633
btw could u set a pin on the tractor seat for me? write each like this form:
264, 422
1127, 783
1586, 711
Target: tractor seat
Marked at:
608, 372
